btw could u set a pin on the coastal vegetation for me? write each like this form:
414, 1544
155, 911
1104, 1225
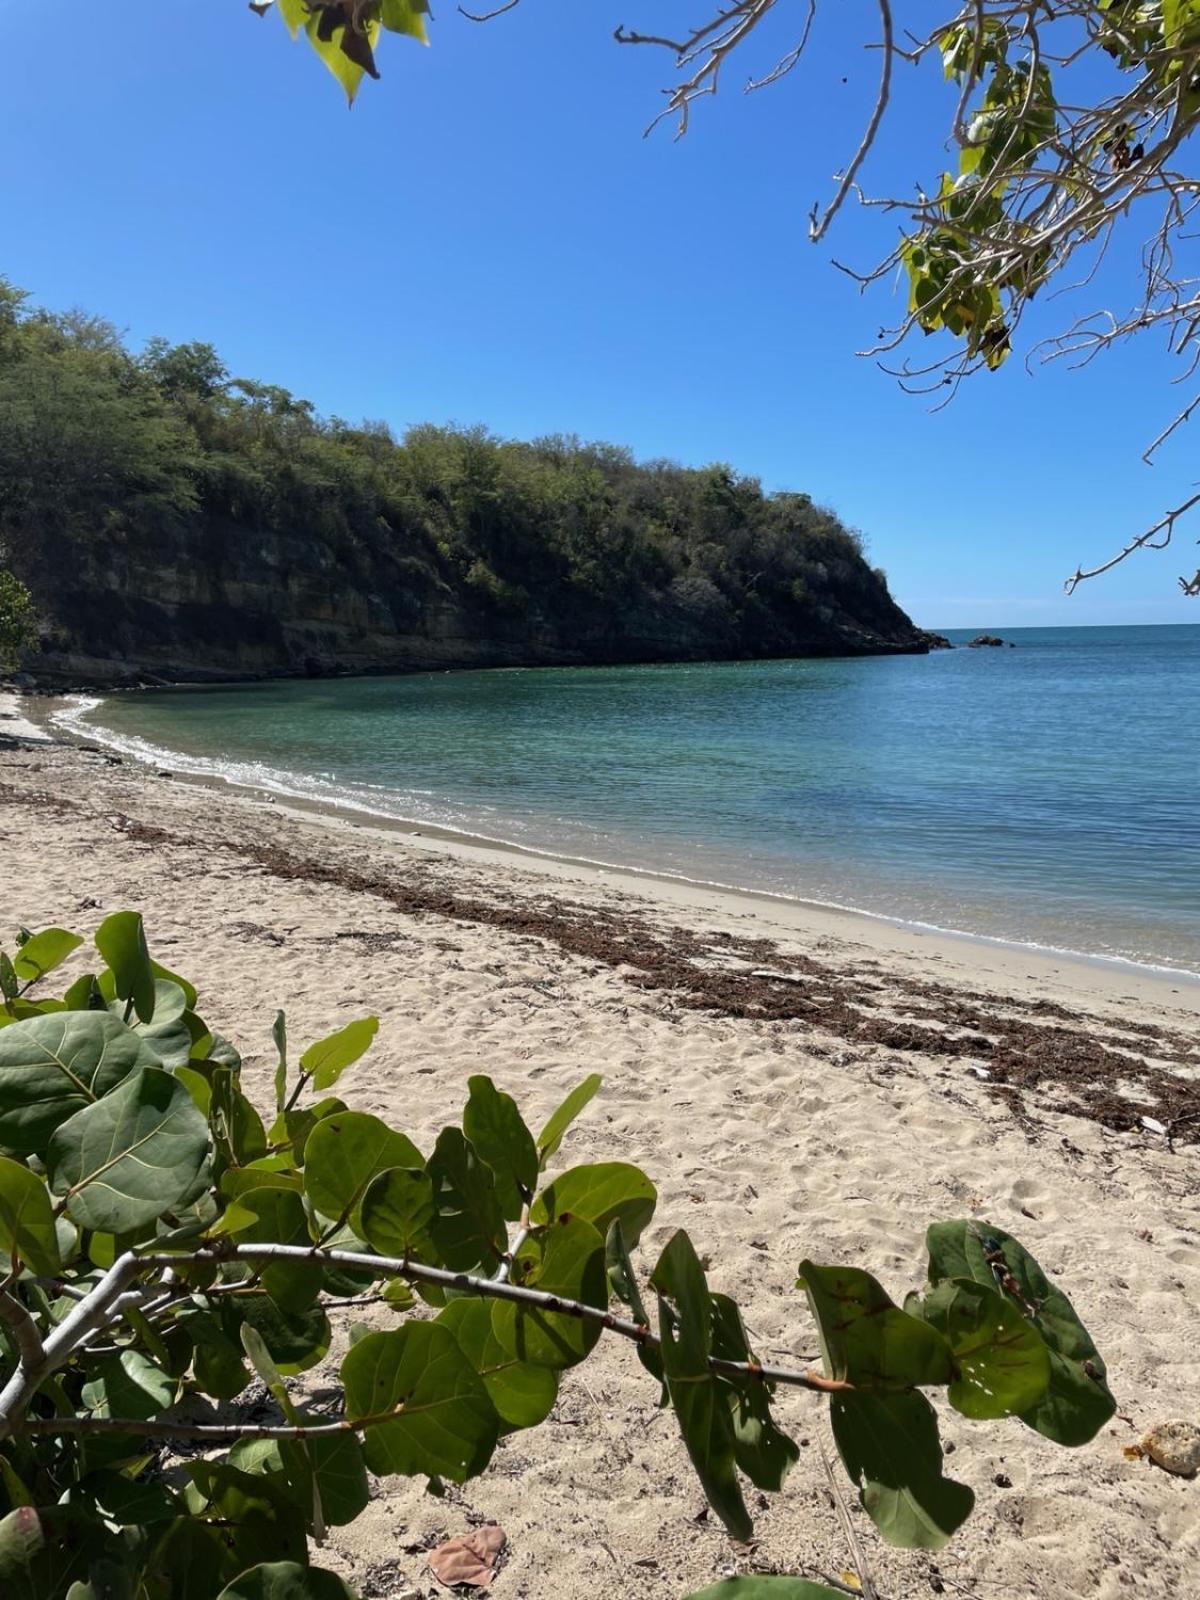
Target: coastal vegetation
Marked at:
177, 1263
18, 630
169, 516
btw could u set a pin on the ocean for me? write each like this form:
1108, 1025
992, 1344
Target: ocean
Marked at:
1046, 795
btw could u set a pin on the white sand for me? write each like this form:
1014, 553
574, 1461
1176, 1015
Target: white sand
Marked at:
769, 1141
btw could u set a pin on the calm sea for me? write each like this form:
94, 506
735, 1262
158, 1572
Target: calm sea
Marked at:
1047, 794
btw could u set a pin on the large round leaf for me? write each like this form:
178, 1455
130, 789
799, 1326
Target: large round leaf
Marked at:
396, 1212
54, 1066
128, 1384
522, 1394
602, 1193
124, 1161
1077, 1401
889, 1443
565, 1260
344, 1152
439, 1417
168, 1034
277, 1216
866, 1338
1001, 1362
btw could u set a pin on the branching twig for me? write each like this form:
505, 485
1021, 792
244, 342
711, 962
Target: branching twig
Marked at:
1164, 525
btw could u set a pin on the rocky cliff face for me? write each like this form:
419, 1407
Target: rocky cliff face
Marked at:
219, 601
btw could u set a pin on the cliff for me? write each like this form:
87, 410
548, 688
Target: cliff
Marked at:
221, 601
175, 523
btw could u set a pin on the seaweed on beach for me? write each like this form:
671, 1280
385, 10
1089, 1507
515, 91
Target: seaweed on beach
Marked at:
1028, 1048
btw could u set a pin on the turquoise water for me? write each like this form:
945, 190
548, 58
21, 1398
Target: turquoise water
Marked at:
1047, 794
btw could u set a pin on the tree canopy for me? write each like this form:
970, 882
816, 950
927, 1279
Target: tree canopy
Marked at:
1067, 125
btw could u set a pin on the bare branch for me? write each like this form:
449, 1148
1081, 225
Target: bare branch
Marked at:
24, 1331
487, 1288
1144, 541
486, 16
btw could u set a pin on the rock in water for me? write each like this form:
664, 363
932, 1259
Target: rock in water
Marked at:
1174, 1446
985, 639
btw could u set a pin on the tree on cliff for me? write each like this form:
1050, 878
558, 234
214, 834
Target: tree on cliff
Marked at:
117, 464
1068, 123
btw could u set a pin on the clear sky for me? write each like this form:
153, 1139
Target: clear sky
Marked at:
487, 237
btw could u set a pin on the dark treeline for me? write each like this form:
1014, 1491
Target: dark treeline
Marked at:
104, 450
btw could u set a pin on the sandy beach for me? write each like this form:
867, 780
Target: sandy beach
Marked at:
796, 1082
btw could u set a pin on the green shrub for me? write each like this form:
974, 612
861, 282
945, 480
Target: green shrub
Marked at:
165, 1240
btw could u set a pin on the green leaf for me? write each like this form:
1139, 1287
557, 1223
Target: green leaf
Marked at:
297, 1340
523, 1394
279, 1217
286, 1580
294, 1127
236, 1125
294, 13
444, 1421
347, 69
279, 1035
699, 1400
1077, 1402
121, 940
468, 1228
333, 1467
325, 1061
566, 1259
10, 986
27, 1227
125, 1160
396, 1212
128, 1385
131, 1502
261, 1359
258, 1513
624, 1285
889, 1443
343, 1153
168, 1035
51, 1067
44, 1551
84, 995
865, 1338
551, 1135
756, 1587
495, 1127
762, 1450
405, 16
189, 989
1001, 1360
268, 1172
190, 1561
603, 1193
44, 952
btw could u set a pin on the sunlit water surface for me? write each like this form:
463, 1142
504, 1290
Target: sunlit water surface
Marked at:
1047, 794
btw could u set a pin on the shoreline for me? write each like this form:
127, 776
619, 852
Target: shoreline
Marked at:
1002, 958
794, 1085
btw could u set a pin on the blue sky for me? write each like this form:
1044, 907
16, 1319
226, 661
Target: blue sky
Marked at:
487, 237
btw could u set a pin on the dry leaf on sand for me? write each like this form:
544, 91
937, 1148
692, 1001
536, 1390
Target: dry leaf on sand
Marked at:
471, 1559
